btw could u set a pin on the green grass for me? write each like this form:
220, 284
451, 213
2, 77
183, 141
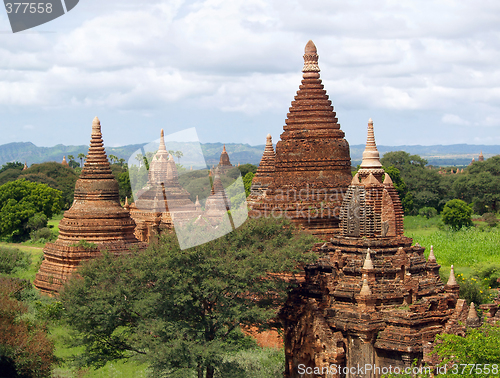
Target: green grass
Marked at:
464, 249
36, 254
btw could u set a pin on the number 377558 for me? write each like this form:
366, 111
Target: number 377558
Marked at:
29, 7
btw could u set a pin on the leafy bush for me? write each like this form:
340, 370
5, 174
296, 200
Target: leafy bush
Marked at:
475, 290
457, 214
428, 212
490, 219
36, 222
13, 259
488, 273
44, 234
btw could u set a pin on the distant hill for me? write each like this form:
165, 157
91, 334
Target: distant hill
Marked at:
453, 155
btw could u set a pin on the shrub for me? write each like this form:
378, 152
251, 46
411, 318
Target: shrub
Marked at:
490, 219
12, 259
43, 233
473, 290
488, 273
428, 212
457, 214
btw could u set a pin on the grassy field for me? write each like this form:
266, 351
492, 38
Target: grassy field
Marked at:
465, 249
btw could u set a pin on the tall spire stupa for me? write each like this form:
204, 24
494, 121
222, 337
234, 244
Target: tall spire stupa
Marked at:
264, 175
95, 221
312, 159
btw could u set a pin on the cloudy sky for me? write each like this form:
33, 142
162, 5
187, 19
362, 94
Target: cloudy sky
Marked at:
427, 72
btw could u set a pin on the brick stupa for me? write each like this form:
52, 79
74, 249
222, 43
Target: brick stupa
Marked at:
264, 175
163, 200
312, 164
96, 221
372, 299
224, 162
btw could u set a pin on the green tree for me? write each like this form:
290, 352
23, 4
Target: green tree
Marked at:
81, 156
20, 200
181, 310
245, 168
457, 214
247, 182
480, 346
56, 176
12, 165
113, 158
178, 155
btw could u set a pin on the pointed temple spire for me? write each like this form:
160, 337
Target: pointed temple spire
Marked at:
473, 319
481, 156
431, 258
388, 180
64, 162
368, 261
264, 175
25, 166
96, 216
371, 157
355, 179
224, 162
311, 153
451, 280
365, 289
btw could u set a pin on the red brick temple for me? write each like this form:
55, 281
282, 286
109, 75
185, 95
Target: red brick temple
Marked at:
96, 221
224, 162
372, 299
312, 165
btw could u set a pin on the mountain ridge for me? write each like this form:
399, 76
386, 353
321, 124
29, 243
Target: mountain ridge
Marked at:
446, 155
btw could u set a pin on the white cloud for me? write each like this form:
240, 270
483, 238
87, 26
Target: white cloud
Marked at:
454, 120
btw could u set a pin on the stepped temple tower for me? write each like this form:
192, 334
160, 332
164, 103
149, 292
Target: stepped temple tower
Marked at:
372, 299
96, 221
312, 166
163, 200
224, 162
264, 175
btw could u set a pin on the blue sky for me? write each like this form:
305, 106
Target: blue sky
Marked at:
427, 72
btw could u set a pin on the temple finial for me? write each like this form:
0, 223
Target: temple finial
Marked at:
368, 261
269, 140
371, 157
96, 127
365, 289
311, 67
162, 142
224, 149
452, 281
431, 258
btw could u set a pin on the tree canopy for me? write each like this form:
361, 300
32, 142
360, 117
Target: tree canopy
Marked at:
457, 214
181, 310
20, 200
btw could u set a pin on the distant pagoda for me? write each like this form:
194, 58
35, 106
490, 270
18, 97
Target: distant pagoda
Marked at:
163, 200
312, 166
224, 162
96, 221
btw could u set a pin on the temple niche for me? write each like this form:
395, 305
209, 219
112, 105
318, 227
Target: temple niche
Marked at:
306, 178
372, 299
163, 201
96, 221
